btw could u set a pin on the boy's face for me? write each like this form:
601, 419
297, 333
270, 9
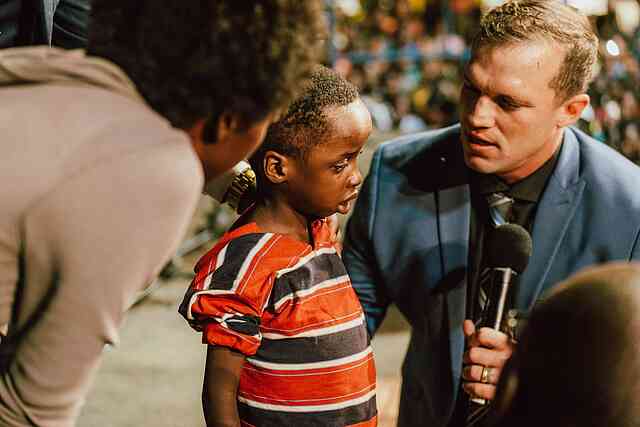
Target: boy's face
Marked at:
327, 181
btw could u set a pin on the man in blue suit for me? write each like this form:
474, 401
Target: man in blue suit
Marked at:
418, 230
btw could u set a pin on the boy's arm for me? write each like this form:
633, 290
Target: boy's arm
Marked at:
220, 388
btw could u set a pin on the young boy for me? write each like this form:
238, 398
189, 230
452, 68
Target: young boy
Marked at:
287, 339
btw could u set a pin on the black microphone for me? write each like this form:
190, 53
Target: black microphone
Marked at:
509, 248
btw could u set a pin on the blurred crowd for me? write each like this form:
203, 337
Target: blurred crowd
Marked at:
615, 92
406, 57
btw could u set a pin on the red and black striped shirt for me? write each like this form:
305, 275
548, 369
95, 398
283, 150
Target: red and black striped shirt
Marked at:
290, 308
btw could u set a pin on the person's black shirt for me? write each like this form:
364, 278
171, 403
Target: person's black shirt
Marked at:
22, 23
9, 22
70, 24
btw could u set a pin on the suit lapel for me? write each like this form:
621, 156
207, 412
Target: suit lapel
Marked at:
553, 216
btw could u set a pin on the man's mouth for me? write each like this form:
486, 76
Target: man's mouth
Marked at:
476, 141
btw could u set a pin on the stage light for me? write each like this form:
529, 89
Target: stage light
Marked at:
612, 48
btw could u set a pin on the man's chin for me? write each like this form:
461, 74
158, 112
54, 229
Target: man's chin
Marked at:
479, 164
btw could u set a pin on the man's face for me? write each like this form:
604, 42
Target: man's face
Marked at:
327, 181
508, 112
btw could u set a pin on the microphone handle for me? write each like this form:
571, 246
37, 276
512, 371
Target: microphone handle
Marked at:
505, 275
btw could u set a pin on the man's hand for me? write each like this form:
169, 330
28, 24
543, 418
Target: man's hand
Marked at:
487, 350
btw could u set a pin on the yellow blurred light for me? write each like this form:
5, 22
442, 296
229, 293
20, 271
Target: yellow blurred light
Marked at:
417, 5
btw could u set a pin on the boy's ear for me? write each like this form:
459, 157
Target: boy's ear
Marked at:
572, 108
277, 167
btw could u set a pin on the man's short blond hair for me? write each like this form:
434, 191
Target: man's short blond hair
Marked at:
551, 21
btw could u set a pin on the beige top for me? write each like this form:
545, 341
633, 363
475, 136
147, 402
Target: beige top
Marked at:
96, 191
95, 186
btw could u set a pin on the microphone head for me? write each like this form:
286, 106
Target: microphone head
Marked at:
509, 246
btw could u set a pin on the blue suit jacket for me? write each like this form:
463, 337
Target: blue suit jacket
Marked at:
407, 243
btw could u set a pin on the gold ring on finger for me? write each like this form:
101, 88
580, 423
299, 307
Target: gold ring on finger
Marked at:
484, 377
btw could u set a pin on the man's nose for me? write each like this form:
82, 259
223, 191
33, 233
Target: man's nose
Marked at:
481, 113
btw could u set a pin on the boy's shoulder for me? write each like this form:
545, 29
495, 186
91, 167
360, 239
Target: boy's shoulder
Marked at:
244, 240
249, 248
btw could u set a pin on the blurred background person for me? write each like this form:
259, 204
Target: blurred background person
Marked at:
578, 363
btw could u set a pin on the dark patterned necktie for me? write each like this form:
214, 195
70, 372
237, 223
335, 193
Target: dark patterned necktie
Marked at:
499, 208
499, 213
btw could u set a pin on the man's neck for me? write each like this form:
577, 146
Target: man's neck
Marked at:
535, 162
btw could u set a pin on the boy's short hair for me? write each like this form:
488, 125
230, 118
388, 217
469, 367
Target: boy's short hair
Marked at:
195, 59
301, 128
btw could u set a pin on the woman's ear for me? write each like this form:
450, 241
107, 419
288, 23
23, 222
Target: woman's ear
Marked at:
211, 130
219, 130
277, 167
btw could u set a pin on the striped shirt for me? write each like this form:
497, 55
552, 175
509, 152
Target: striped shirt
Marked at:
290, 308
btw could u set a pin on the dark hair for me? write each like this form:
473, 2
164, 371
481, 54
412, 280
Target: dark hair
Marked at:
545, 20
197, 58
301, 128
578, 363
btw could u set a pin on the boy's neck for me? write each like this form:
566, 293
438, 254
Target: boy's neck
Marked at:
277, 216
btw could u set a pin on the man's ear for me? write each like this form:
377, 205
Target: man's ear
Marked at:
277, 167
571, 109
